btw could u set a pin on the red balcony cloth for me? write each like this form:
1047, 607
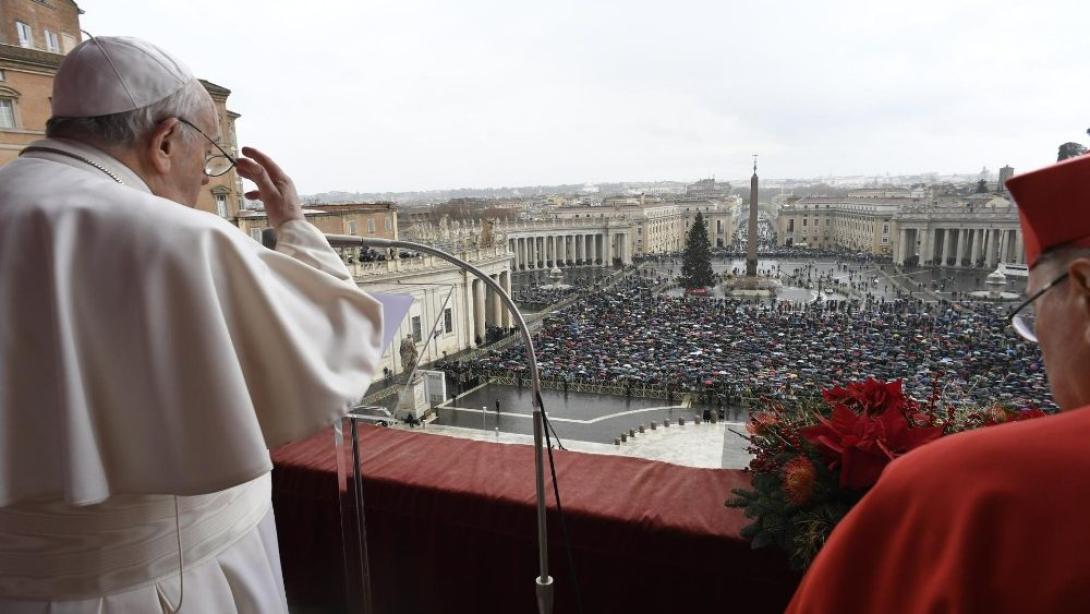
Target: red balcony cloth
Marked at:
451, 528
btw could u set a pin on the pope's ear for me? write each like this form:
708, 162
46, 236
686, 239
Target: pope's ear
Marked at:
163, 143
1079, 271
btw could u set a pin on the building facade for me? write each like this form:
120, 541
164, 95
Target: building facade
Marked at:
858, 223
976, 230
34, 36
359, 220
223, 195
563, 242
720, 218
452, 310
981, 231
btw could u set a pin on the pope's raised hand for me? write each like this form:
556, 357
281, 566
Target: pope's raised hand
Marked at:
274, 188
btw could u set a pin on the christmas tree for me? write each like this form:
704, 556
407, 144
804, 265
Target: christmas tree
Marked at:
696, 269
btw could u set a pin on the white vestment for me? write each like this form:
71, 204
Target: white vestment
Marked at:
150, 355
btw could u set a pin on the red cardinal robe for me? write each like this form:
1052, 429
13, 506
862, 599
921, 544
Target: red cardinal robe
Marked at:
995, 520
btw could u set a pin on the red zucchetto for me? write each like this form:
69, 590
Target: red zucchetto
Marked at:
1053, 206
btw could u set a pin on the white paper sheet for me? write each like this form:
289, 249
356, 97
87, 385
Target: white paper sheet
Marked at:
394, 309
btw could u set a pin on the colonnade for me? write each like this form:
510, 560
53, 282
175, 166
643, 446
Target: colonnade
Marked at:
960, 246
546, 250
485, 306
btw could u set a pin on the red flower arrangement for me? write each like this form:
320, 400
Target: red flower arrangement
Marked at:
812, 463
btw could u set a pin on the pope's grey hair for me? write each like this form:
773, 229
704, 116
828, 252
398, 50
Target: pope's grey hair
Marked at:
127, 128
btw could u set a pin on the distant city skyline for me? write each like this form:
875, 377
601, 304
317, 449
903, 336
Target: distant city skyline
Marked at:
774, 183
418, 95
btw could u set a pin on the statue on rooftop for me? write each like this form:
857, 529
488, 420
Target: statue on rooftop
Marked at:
487, 239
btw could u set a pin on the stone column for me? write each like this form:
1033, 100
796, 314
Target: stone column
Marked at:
989, 248
974, 246
478, 309
497, 304
925, 246
607, 245
902, 246
947, 245
505, 281
577, 250
489, 305
1019, 248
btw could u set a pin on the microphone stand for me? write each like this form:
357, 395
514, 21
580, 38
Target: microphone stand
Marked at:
543, 583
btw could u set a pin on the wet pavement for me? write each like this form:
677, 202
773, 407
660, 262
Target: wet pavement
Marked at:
881, 280
576, 415
578, 276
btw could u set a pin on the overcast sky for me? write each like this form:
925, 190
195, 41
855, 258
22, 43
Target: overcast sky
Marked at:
404, 95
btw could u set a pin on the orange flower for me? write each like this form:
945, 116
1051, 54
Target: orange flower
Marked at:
799, 476
759, 423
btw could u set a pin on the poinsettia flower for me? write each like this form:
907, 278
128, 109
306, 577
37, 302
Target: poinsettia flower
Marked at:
861, 445
799, 476
870, 397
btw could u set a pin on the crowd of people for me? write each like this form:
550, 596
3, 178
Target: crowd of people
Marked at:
537, 297
727, 350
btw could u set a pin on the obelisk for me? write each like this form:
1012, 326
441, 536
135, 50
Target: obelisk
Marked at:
751, 244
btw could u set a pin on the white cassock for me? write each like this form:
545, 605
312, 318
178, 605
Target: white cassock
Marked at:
150, 355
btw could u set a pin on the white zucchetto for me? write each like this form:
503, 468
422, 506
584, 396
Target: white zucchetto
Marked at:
113, 74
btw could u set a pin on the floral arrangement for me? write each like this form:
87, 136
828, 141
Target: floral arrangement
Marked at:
813, 462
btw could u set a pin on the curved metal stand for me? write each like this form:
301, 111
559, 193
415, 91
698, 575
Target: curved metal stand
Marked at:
350, 483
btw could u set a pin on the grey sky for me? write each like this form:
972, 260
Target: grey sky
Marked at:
406, 94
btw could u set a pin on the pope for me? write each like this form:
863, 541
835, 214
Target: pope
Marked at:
990, 520
151, 353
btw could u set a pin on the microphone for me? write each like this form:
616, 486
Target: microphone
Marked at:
543, 583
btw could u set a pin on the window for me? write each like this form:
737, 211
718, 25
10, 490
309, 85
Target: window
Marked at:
389, 223
804, 220
352, 227
885, 229
221, 205
417, 335
371, 226
7, 113
2, 76
26, 38
51, 43
448, 320
255, 234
